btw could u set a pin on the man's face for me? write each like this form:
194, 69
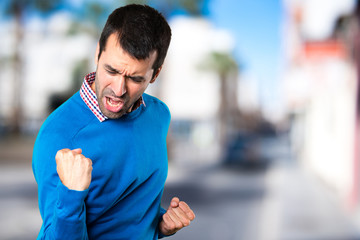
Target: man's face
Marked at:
120, 79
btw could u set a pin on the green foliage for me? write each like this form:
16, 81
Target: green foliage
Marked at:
19, 7
80, 69
167, 7
96, 13
90, 19
142, 2
220, 62
193, 7
45, 5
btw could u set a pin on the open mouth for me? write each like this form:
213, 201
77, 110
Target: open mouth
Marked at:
113, 105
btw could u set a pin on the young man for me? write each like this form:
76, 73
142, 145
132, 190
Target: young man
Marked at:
100, 159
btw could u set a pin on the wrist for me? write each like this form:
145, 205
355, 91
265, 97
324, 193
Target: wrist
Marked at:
164, 231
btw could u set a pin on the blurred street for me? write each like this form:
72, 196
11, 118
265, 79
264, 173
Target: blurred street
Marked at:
19, 218
280, 202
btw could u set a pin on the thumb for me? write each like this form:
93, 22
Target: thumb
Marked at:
77, 151
174, 202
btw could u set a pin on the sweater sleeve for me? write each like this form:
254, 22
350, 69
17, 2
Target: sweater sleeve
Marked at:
162, 212
69, 218
63, 211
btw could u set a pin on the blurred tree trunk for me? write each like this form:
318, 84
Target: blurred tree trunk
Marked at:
225, 66
16, 116
17, 9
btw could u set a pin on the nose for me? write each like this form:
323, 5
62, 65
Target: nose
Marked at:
119, 85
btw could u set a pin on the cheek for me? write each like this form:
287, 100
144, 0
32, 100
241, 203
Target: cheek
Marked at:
104, 80
136, 90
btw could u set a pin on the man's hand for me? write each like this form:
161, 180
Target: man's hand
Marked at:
74, 169
177, 216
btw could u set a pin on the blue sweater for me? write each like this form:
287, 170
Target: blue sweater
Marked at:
129, 171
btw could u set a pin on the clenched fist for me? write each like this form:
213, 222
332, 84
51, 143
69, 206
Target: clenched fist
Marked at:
178, 215
74, 169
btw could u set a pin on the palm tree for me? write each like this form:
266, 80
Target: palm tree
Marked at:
90, 20
168, 7
18, 10
226, 67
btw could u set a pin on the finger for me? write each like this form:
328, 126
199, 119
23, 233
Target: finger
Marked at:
79, 156
77, 151
176, 221
60, 154
89, 161
182, 216
174, 202
187, 210
88, 164
83, 162
167, 225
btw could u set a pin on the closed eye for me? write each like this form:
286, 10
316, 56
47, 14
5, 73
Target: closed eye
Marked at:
137, 79
111, 70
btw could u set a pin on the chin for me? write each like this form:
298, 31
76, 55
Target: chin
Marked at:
112, 115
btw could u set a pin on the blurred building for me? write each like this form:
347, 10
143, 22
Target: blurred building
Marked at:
192, 91
50, 57
321, 84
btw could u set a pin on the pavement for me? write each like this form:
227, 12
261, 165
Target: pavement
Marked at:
281, 202
19, 215
299, 206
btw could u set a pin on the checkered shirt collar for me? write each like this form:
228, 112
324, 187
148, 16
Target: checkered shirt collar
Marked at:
90, 99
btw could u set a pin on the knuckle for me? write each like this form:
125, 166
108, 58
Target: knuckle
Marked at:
87, 162
65, 150
186, 223
183, 205
172, 226
178, 225
89, 165
77, 156
59, 153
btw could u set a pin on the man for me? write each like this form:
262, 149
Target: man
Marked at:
100, 159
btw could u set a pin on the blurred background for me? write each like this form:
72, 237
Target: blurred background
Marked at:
264, 139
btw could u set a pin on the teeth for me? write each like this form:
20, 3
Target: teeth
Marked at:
113, 103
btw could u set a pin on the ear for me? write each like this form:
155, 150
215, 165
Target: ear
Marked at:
156, 75
97, 54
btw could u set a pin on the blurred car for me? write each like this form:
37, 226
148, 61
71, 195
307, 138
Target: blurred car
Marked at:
244, 150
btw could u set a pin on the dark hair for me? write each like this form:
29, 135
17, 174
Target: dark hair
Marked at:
141, 30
